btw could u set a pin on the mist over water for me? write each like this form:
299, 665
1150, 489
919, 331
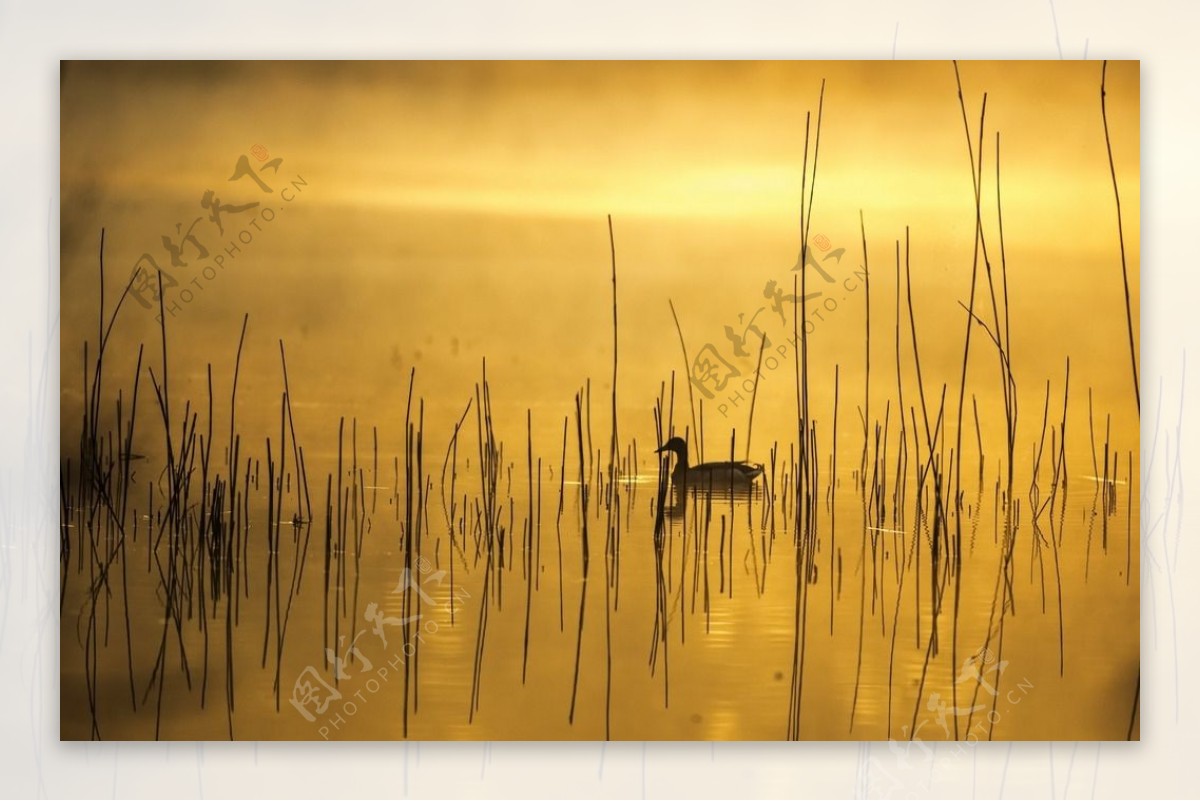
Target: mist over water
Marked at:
425, 217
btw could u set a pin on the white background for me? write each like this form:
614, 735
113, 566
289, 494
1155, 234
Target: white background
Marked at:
33, 37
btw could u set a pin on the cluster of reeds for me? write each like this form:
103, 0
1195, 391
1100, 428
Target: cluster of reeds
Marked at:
196, 528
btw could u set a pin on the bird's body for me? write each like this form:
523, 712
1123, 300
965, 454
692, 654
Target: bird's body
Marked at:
709, 475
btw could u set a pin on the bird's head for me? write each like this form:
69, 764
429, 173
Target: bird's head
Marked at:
675, 445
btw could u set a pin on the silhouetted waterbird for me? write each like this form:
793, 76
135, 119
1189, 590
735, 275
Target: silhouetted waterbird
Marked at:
709, 475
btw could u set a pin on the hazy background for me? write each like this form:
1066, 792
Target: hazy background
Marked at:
456, 210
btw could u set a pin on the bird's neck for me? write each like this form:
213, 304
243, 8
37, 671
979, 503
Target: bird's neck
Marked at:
681, 467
